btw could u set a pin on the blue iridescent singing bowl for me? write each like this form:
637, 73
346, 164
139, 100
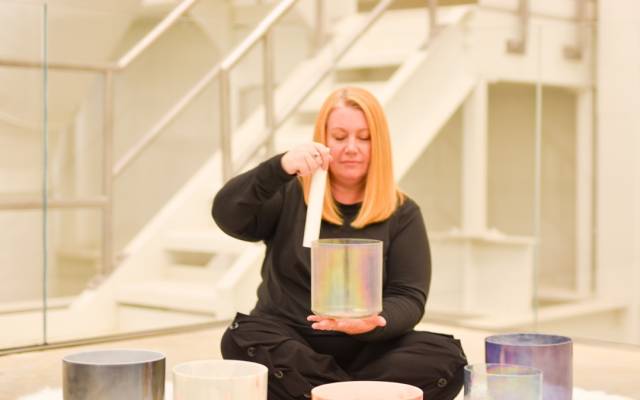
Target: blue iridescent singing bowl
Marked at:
346, 277
552, 354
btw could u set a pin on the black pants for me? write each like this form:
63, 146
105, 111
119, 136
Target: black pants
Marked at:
297, 363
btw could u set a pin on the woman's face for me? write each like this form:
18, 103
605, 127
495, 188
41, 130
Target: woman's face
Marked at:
350, 143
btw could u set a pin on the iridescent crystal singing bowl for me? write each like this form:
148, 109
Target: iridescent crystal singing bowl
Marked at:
346, 277
552, 354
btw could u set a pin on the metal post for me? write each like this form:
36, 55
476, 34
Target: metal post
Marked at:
45, 174
433, 20
320, 29
519, 45
225, 125
574, 52
107, 179
268, 76
537, 183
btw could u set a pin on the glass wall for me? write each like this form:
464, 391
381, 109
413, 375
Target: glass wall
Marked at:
514, 139
23, 128
131, 137
512, 185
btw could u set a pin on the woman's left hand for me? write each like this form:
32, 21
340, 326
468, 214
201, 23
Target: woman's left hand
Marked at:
351, 326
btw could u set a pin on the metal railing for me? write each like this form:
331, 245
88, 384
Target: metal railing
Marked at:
261, 34
525, 13
107, 70
519, 44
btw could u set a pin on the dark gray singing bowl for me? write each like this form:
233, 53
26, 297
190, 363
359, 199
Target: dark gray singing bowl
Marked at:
113, 374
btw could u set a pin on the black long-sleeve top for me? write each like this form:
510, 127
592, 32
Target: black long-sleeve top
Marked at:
267, 204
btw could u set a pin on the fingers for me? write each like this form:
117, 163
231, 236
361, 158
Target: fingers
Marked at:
347, 325
311, 165
322, 323
325, 325
306, 159
322, 155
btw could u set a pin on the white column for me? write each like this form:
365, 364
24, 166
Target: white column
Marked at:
584, 191
618, 160
474, 161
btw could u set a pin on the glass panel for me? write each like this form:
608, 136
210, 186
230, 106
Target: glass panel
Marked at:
589, 245
473, 177
22, 128
154, 285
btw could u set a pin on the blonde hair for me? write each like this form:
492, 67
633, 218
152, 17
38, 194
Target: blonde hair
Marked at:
381, 195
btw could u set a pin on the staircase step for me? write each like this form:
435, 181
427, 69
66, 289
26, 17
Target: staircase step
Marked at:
396, 35
208, 242
192, 273
295, 132
196, 298
248, 14
86, 254
313, 103
389, 41
545, 314
133, 318
367, 5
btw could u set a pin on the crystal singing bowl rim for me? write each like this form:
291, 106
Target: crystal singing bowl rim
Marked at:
258, 370
345, 242
511, 370
334, 388
118, 357
528, 340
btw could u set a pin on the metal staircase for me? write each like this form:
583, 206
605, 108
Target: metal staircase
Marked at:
180, 268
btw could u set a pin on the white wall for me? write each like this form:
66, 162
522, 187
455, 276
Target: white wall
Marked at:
511, 162
618, 147
434, 180
143, 94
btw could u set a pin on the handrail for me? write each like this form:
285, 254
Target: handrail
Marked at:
155, 33
153, 133
84, 67
124, 61
35, 202
258, 33
372, 17
261, 33
227, 63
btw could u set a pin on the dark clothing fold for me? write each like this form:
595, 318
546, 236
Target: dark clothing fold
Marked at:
297, 363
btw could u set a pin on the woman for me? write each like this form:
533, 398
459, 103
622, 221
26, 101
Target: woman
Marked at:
268, 203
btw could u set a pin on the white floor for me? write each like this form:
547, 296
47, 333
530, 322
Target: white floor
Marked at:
578, 394
608, 372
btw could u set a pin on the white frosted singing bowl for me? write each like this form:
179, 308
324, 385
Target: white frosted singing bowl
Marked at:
219, 380
366, 390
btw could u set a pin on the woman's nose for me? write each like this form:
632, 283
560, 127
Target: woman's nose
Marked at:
351, 145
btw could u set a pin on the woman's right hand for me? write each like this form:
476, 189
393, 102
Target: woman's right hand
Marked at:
306, 159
